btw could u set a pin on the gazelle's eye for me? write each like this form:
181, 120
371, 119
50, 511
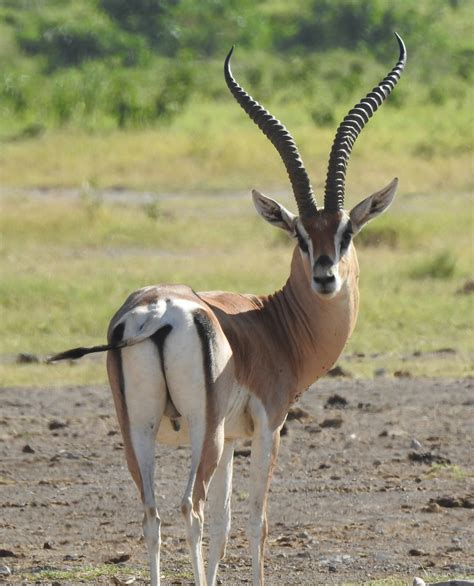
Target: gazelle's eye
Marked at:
302, 243
346, 240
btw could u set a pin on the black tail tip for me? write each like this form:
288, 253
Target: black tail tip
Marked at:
72, 354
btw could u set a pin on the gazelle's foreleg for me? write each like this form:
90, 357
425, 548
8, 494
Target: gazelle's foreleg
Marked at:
265, 446
220, 493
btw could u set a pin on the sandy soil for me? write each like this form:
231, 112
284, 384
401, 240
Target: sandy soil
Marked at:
354, 496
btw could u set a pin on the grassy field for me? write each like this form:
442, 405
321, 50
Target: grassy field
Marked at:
212, 147
69, 262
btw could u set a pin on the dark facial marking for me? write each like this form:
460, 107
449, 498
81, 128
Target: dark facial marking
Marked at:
302, 242
346, 240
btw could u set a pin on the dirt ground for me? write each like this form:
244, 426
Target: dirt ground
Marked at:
374, 479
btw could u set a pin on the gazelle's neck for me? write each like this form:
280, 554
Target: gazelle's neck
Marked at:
316, 328
284, 342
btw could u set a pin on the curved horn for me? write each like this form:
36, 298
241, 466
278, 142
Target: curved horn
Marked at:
281, 140
349, 130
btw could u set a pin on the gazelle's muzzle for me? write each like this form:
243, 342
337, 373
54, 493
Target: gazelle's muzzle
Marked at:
326, 280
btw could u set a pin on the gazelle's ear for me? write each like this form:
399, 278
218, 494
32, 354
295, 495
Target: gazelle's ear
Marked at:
274, 213
372, 206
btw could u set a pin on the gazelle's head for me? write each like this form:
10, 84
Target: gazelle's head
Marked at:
324, 235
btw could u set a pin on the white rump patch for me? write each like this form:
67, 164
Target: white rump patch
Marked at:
142, 321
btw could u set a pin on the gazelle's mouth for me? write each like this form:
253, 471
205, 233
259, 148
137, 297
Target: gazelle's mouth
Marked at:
326, 287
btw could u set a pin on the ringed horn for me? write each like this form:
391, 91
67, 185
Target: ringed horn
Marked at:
281, 140
350, 128
346, 135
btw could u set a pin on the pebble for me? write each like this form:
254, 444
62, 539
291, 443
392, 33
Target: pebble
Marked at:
415, 444
302, 535
5, 571
27, 358
56, 424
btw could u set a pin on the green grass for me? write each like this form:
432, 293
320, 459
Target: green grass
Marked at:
395, 581
92, 574
82, 574
212, 147
67, 265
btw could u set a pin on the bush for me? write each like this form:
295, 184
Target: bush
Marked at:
69, 39
441, 266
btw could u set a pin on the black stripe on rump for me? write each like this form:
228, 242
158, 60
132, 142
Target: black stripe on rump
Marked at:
158, 338
207, 336
117, 334
115, 338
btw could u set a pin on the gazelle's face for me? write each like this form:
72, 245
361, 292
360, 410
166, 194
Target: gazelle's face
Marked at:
325, 238
325, 242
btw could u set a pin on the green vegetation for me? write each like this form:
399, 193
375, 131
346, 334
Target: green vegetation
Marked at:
95, 96
79, 574
90, 574
83, 574
430, 578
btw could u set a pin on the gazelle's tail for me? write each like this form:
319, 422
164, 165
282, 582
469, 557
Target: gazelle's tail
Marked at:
75, 353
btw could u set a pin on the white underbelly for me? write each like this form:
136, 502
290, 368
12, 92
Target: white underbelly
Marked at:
238, 423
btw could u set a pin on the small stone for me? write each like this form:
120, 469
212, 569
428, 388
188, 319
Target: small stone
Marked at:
302, 535
6, 553
416, 552
56, 424
71, 557
338, 371
299, 414
242, 452
336, 402
332, 422
380, 372
118, 558
5, 571
432, 507
27, 449
27, 358
402, 374
48, 545
415, 444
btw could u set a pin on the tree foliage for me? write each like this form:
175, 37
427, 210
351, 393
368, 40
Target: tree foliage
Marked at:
143, 60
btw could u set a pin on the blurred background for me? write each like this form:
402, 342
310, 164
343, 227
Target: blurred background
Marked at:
125, 162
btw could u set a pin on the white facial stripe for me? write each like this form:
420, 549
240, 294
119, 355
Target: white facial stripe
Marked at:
304, 234
338, 236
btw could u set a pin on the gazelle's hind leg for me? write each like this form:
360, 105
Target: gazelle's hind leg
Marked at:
220, 492
198, 386
139, 390
204, 459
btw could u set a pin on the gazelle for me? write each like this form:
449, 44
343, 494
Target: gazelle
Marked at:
209, 368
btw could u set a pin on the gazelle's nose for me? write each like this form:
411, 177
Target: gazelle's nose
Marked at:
323, 262
325, 280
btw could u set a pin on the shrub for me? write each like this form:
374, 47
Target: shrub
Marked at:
441, 266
